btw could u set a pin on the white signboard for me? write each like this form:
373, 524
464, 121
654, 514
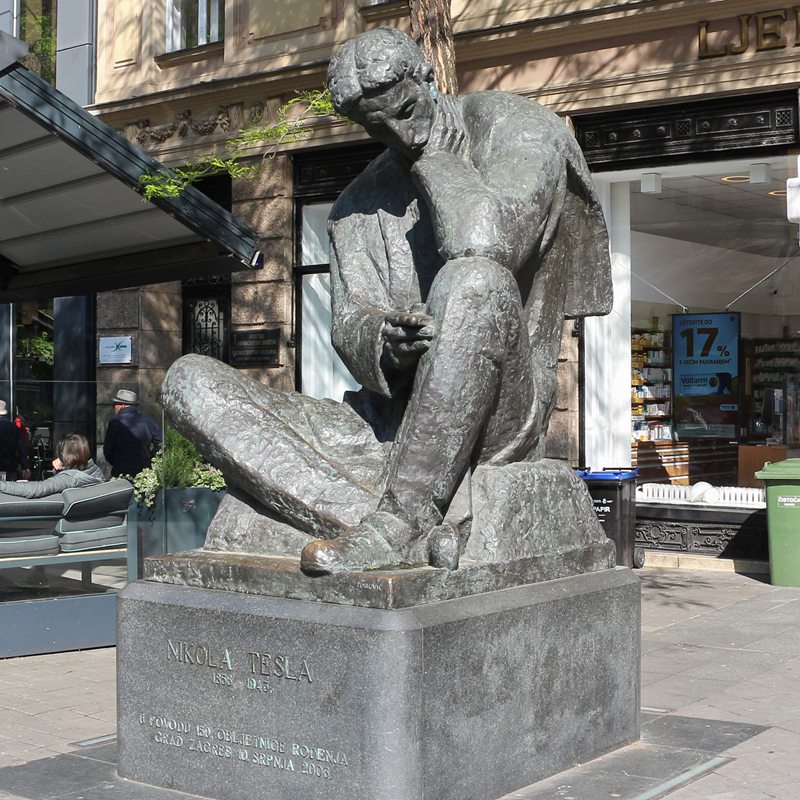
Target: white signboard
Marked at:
115, 350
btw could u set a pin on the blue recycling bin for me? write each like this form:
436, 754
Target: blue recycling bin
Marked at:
613, 493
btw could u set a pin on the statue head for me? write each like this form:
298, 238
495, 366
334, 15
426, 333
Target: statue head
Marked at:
380, 80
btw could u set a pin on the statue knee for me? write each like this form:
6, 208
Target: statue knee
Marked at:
480, 287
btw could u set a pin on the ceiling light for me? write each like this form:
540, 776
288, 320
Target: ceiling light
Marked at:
651, 183
736, 179
777, 193
760, 173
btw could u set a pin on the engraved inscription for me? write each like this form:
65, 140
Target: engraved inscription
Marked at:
221, 660
201, 655
279, 666
303, 758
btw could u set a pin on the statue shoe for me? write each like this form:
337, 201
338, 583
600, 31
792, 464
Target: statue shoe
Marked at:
444, 546
364, 547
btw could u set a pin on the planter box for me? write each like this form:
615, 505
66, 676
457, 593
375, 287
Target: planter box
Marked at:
177, 521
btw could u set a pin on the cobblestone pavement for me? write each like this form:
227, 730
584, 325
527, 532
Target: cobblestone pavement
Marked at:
47, 703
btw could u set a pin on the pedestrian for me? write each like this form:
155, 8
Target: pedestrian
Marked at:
132, 438
13, 455
73, 468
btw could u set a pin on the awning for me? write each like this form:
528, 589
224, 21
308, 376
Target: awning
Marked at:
71, 218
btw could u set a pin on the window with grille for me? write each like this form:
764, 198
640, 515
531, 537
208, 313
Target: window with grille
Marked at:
206, 317
192, 23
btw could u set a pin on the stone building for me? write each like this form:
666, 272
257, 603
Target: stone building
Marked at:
670, 101
687, 113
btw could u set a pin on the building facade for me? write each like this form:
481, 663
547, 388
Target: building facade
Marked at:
687, 114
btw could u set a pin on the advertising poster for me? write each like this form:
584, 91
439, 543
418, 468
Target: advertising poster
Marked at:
705, 350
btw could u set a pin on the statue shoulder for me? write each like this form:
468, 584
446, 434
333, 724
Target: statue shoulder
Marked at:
493, 107
504, 125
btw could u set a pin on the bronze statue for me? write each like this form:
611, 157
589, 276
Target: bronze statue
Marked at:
456, 256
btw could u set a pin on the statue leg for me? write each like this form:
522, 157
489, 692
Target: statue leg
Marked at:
473, 392
314, 462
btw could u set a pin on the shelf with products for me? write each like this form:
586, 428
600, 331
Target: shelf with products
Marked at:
775, 362
779, 347
774, 408
651, 385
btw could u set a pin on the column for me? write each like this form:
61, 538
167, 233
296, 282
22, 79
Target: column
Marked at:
607, 347
7, 341
7, 16
75, 49
74, 394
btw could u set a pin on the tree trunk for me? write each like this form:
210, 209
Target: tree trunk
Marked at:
433, 32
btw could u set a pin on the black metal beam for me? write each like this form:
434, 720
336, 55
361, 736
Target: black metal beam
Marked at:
120, 272
117, 156
8, 271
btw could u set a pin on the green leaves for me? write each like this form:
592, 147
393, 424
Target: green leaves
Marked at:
294, 122
177, 465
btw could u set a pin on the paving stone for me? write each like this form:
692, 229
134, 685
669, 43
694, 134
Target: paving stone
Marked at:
710, 736
677, 690
54, 777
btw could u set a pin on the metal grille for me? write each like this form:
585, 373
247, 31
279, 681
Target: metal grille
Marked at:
207, 328
223, 279
643, 135
591, 139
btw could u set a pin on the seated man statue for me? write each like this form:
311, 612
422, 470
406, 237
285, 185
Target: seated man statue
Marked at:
456, 257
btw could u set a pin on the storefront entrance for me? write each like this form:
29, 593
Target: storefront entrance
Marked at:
713, 281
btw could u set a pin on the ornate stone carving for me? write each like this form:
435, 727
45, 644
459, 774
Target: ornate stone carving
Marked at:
230, 118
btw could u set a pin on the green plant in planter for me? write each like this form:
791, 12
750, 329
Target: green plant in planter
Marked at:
177, 465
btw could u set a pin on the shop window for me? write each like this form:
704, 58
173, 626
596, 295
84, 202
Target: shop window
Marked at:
37, 27
53, 388
47, 357
714, 282
318, 181
323, 373
193, 23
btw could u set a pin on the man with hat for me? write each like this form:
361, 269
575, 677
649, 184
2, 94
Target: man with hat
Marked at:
12, 448
131, 437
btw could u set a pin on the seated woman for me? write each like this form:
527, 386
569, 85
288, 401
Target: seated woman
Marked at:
74, 468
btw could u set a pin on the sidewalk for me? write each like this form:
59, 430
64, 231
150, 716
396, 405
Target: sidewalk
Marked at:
720, 700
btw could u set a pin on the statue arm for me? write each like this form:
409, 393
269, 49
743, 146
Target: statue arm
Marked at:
359, 317
478, 216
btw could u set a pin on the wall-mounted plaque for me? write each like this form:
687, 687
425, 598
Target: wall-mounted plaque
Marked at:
256, 347
115, 350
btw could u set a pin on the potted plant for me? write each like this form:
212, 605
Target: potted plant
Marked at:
175, 499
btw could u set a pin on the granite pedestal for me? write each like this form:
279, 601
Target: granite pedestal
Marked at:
230, 695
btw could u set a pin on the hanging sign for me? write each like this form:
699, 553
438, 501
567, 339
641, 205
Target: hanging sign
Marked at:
705, 351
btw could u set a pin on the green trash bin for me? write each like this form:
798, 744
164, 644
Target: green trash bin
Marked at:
782, 480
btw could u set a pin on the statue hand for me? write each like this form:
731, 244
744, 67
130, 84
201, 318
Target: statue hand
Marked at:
447, 134
407, 335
